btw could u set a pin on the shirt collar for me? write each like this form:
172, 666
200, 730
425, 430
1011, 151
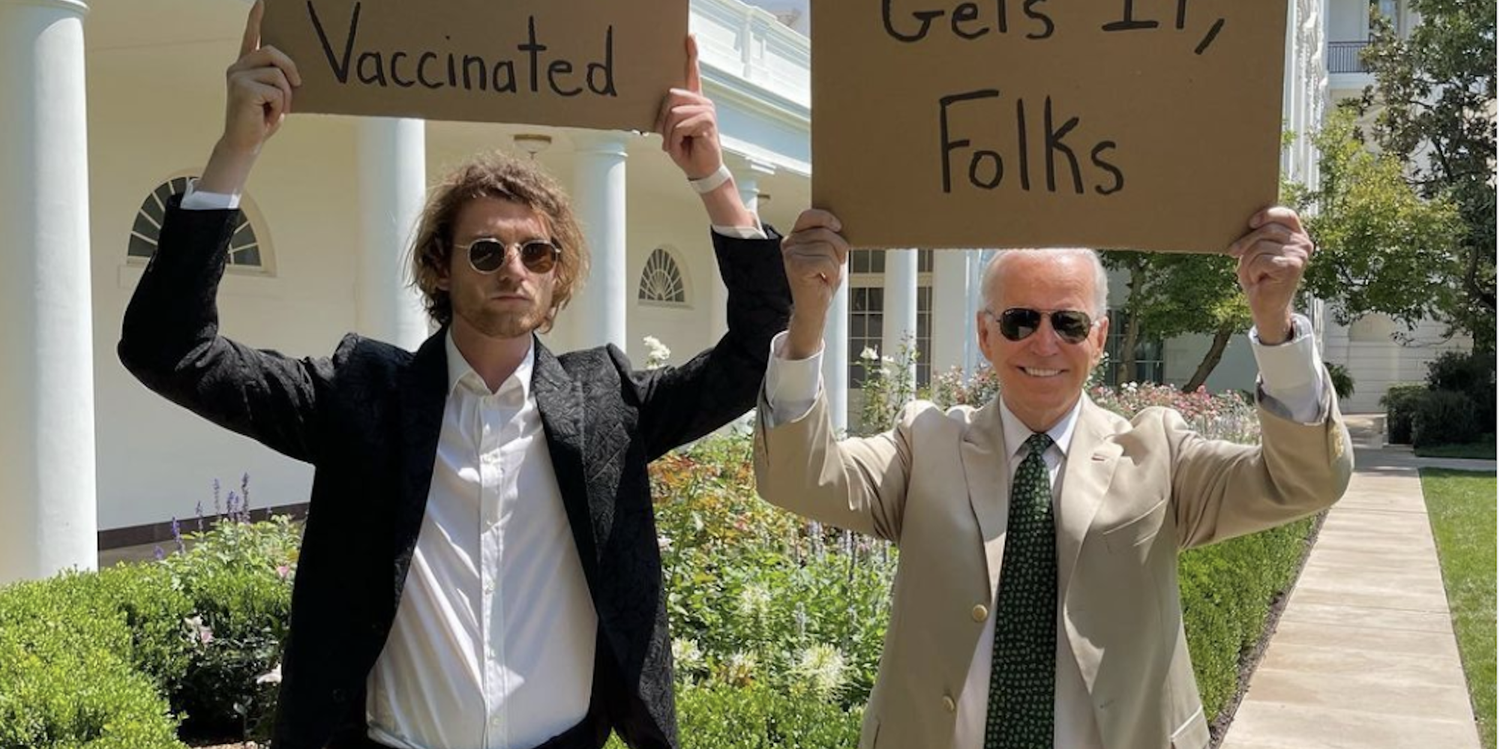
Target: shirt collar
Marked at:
1016, 432
459, 371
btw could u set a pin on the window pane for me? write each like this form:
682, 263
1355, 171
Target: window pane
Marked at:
144, 227
877, 261
140, 247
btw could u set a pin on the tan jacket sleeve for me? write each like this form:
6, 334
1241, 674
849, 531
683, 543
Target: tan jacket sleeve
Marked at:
1220, 490
858, 483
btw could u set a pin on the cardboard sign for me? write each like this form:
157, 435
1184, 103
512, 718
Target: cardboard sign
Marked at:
1141, 124
582, 63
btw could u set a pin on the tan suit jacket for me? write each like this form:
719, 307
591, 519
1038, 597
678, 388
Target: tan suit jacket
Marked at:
1132, 494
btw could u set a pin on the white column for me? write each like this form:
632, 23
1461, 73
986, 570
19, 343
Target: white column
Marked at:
977, 261
835, 359
951, 322
900, 302
747, 175
393, 188
47, 488
600, 312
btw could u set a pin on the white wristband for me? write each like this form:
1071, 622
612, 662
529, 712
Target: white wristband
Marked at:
711, 182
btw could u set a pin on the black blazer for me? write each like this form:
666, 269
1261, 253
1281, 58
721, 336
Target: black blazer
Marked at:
368, 419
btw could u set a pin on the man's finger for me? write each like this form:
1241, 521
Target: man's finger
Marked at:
279, 59
1278, 214
251, 40
815, 217
694, 76
1270, 231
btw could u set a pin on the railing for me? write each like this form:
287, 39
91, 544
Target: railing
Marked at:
1343, 57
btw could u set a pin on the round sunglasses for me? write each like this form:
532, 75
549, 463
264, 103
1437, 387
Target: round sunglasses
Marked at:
487, 255
1019, 323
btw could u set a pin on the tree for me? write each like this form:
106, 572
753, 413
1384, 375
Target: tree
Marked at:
1173, 294
1381, 246
1435, 103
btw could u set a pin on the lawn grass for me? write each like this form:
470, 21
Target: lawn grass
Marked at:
1483, 450
1461, 507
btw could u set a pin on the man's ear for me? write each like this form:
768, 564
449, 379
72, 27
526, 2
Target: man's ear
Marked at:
1102, 331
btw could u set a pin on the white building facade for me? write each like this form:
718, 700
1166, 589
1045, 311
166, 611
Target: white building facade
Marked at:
112, 106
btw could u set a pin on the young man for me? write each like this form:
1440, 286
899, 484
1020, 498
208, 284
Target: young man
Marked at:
479, 566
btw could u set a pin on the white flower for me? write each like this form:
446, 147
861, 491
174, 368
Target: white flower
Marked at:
821, 668
869, 354
271, 677
754, 601
739, 670
688, 656
657, 354
198, 631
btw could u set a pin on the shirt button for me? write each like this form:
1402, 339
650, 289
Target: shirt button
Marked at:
488, 588
980, 612
948, 704
495, 721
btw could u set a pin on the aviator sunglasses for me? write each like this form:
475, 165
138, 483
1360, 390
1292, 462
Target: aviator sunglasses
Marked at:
1018, 323
488, 255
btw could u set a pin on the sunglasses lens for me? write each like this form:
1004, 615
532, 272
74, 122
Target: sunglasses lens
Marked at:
1071, 325
538, 256
486, 255
1017, 323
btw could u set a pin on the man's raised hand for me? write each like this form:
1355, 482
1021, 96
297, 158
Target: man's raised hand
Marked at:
260, 85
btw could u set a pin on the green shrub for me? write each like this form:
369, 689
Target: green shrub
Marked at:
1445, 417
1400, 410
759, 717
1226, 592
1342, 379
1470, 373
71, 671
238, 577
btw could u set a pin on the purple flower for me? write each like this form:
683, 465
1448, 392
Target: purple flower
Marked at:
159, 554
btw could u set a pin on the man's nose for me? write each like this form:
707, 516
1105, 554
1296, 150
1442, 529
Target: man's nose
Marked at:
1045, 340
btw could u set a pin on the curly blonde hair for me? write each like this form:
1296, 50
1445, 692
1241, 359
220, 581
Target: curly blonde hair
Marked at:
495, 175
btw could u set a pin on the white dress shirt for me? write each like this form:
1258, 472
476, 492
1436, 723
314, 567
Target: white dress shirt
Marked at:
493, 642
1291, 384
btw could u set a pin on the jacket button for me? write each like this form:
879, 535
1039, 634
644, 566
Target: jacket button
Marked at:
980, 612
340, 696
948, 704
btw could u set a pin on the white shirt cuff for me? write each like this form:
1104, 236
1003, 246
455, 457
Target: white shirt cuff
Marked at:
791, 385
743, 232
1291, 378
196, 200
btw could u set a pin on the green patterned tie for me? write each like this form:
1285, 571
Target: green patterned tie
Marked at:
1022, 684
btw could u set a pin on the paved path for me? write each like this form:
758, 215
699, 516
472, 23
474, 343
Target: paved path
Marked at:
1364, 656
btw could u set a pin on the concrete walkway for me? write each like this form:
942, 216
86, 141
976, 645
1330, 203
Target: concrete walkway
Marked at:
1364, 656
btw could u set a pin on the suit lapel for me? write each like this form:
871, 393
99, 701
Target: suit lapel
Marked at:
1091, 460
423, 394
560, 399
986, 470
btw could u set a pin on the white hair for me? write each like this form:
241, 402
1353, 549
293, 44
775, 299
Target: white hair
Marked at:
1100, 276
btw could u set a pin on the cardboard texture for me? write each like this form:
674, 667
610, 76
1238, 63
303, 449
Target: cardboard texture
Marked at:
597, 64
1170, 110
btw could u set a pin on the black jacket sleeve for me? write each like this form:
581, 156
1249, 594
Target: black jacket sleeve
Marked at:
681, 404
170, 341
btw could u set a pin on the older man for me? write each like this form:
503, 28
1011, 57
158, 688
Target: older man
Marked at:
1036, 602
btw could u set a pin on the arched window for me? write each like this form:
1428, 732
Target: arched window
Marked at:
661, 282
244, 247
